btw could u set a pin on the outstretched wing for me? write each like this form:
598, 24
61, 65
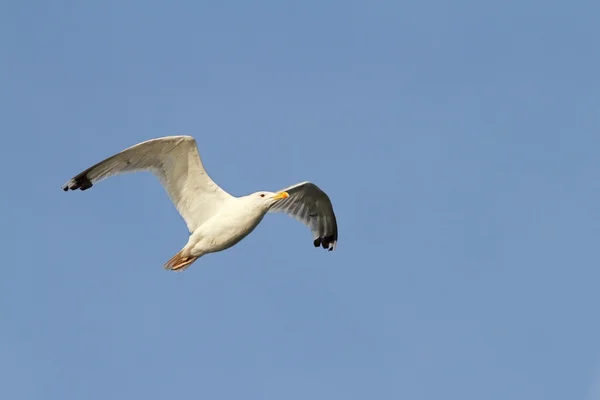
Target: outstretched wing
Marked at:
175, 161
311, 206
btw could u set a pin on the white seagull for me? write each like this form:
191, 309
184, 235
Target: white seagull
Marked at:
215, 219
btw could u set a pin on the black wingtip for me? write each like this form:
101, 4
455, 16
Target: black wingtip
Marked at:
80, 182
327, 242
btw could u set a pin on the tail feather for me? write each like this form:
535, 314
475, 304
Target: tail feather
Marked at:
179, 262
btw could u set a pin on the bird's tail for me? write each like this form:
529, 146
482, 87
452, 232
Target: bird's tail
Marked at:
179, 262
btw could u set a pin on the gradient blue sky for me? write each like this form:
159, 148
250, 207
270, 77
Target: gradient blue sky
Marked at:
458, 141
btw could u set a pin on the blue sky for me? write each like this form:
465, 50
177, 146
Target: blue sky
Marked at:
459, 144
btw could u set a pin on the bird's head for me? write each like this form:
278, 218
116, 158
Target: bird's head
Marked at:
266, 199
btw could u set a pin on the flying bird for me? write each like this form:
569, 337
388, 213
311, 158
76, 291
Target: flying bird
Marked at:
215, 219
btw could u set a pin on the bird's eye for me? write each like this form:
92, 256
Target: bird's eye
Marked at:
262, 195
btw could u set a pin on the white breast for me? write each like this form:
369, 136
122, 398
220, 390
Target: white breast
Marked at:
225, 229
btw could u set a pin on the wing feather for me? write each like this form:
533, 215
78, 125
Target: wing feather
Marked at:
175, 161
308, 204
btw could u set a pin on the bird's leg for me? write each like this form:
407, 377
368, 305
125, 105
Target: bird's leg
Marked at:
179, 262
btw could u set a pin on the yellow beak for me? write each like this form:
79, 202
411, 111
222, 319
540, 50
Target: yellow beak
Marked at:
281, 195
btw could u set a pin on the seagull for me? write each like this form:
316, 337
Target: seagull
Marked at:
215, 219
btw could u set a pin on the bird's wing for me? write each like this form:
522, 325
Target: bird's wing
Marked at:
308, 204
175, 161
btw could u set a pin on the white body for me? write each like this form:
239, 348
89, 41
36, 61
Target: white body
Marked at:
234, 221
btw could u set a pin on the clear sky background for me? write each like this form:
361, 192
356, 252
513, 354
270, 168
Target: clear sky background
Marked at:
459, 142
